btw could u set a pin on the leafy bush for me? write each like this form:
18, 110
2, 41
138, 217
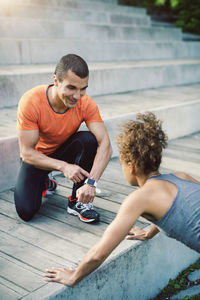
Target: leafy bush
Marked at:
188, 15
185, 12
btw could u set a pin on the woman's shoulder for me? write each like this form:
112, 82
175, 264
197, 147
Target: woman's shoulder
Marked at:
159, 189
145, 193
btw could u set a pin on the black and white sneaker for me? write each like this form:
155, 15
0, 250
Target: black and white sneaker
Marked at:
50, 186
85, 212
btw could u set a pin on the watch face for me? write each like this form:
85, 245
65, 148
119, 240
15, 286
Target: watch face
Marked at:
90, 181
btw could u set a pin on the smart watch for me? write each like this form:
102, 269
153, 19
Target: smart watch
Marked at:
91, 182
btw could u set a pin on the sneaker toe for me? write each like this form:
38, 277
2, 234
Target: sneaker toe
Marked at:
90, 214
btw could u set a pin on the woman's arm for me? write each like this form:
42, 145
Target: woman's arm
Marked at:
186, 177
132, 207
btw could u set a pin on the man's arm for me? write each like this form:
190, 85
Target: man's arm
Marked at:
104, 150
27, 142
86, 193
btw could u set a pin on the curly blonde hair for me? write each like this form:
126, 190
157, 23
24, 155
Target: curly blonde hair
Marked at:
141, 142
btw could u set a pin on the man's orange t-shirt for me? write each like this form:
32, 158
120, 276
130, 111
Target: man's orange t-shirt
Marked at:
35, 112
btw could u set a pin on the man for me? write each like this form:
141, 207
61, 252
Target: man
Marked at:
48, 120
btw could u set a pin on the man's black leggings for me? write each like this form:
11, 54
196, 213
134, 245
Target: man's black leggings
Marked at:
79, 149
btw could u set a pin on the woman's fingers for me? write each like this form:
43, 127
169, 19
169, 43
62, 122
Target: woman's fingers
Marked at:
136, 234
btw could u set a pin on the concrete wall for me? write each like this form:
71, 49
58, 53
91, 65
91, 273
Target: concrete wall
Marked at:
138, 273
9, 162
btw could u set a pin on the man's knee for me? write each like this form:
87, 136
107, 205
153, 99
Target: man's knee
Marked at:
88, 138
25, 214
25, 210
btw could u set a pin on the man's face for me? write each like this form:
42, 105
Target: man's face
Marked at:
71, 89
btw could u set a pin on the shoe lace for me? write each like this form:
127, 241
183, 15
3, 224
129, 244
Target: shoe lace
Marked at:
87, 206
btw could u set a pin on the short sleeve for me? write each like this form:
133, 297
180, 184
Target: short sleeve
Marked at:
27, 118
91, 111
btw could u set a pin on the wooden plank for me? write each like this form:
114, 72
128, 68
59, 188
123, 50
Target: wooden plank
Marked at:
189, 156
20, 264
7, 195
30, 254
115, 188
181, 165
24, 278
12, 286
43, 240
190, 142
55, 227
8, 294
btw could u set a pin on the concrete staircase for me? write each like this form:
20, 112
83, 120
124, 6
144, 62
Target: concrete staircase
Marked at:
124, 51
134, 66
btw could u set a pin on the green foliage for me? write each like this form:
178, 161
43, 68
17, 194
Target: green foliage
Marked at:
180, 283
186, 12
188, 15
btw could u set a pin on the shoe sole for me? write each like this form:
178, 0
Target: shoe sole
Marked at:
75, 213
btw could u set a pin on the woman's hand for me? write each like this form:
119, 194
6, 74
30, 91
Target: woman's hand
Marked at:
59, 275
137, 233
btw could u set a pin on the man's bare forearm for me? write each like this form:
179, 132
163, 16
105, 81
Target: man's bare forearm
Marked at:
42, 161
101, 160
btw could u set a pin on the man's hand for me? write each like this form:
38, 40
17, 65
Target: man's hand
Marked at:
74, 173
86, 193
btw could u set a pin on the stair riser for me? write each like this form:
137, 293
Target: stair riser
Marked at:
109, 81
133, 78
35, 51
93, 16
16, 28
73, 4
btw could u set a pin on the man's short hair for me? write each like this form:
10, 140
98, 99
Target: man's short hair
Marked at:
71, 62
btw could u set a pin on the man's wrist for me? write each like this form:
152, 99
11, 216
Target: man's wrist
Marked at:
91, 182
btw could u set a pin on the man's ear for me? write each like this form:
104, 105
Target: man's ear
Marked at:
131, 167
55, 80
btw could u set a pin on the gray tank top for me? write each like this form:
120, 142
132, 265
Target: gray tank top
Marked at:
182, 220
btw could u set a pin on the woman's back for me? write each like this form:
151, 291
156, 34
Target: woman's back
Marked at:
182, 220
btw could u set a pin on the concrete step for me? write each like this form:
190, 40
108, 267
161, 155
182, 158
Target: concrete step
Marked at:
75, 4
105, 78
34, 51
70, 14
172, 105
191, 37
26, 28
162, 24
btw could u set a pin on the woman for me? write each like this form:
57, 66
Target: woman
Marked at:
170, 201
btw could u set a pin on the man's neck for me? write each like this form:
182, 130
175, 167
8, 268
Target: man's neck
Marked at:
57, 105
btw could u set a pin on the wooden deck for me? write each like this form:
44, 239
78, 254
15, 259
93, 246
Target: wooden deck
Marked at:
55, 238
